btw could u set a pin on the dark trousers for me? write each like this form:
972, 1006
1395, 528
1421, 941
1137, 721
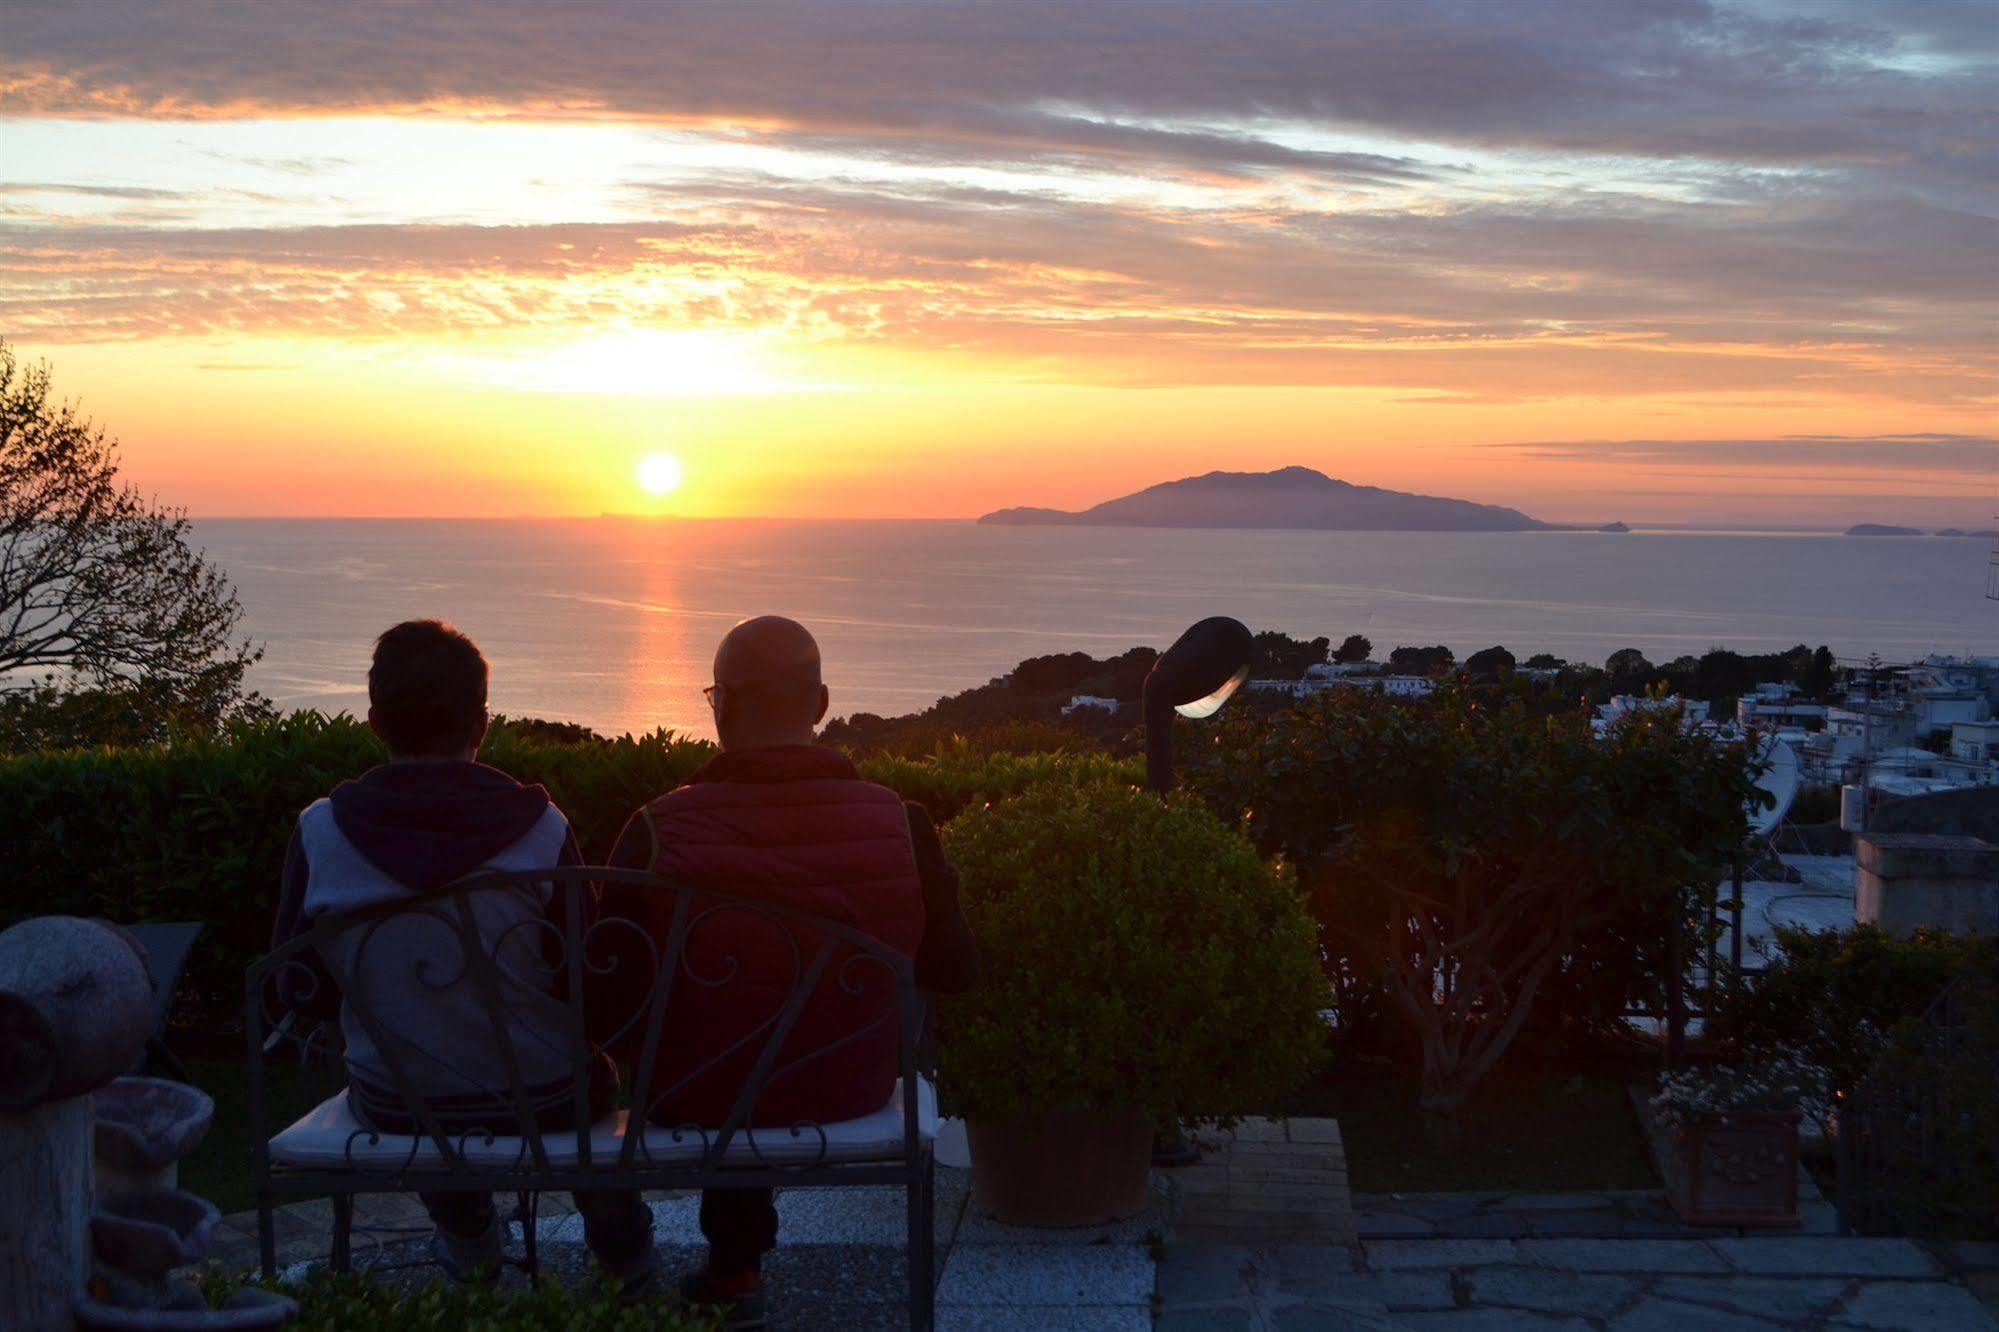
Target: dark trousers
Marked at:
740, 1226
616, 1224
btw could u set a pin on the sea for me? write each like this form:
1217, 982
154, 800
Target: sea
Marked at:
612, 622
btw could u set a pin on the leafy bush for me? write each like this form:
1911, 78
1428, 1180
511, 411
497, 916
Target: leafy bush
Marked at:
1475, 863
196, 829
1136, 953
332, 1302
1930, 1112
1836, 996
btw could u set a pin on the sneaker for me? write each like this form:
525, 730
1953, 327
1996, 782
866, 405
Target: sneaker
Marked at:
634, 1278
740, 1298
465, 1257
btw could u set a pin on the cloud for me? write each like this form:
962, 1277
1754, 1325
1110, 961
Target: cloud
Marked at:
1976, 455
1469, 201
1173, 81
91, 191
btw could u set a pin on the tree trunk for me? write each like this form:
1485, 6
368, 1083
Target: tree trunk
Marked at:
45, 1197
1443, 1133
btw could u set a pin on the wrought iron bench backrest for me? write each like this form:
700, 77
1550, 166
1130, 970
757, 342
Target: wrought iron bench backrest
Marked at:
528, 976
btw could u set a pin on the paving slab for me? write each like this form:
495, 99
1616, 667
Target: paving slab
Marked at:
1205, 1273
1622, 1255
1391, 1291
1331, 1318
1041, 1318
1388, 1255
1267, 1181
1657, 1315
1392, 1225
1793, 1299
987, 1275
1208, 1320
1975, 1255
978, 1228
1827, 1256
1484, 1320
1546, 1290
1573, 1225
1915, 1306
1551, 1202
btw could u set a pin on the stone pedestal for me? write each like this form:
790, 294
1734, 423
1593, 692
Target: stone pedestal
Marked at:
1906, 880
45, 1198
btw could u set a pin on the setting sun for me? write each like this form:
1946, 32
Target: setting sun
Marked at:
659, 473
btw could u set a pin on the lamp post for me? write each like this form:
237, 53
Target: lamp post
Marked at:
1194, 678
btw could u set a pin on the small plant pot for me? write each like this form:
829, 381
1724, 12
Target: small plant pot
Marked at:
1063, 1169
1736, 1172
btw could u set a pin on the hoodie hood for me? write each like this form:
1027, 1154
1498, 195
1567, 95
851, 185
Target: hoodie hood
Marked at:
425, 824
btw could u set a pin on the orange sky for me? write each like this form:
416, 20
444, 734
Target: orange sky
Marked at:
1593, 262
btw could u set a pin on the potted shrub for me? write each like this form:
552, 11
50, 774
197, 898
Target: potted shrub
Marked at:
1141, 965
1735, 1140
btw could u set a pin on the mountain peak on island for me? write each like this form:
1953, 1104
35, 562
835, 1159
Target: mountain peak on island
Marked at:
1289, 497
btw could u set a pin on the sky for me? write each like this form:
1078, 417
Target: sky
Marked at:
1689, 261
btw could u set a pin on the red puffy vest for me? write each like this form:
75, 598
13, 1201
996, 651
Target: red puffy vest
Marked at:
799, 827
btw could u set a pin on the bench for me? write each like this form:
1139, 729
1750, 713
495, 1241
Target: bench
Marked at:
331, 1153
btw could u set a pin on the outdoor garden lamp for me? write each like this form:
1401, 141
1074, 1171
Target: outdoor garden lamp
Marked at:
1194, 678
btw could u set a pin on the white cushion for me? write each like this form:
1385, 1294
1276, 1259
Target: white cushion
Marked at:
330, 1135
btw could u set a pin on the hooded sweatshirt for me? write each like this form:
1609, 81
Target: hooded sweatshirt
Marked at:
406, 830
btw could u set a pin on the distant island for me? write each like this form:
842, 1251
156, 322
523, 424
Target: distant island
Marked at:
1290, 497
1882, 529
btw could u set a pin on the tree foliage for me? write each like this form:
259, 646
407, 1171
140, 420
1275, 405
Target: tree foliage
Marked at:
1282, 657
1491, 663
1475, 861
99, 586
1421, 660
1353, 648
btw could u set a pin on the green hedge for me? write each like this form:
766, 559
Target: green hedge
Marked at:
196, 830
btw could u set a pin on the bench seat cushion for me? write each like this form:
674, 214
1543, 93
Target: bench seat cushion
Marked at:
329, 1136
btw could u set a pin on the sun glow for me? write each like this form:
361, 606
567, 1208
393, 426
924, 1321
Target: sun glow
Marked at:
660, 473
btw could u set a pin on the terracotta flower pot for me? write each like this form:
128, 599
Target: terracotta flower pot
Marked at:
1062, 1169
1736, 1172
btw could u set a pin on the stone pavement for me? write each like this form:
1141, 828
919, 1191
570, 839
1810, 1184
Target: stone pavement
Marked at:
1262, 1235
1269, 1181
1625, 1285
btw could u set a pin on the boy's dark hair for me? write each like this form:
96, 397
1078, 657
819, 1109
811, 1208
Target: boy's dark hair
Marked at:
427, 686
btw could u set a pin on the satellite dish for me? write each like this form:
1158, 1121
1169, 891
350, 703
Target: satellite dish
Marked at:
1781, 776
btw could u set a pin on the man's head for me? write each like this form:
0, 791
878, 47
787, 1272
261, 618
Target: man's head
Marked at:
427, 692
767, 689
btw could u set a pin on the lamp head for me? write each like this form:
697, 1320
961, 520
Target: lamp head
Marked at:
1203, 668
1194, 678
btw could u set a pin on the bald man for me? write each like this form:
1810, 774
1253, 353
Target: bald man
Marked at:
775, 816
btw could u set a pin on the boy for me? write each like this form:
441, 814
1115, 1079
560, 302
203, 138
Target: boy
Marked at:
429, 816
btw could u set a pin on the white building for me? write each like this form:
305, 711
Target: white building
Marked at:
1694, 712
1080, 701
1396, 686
1778, 707
1975, 742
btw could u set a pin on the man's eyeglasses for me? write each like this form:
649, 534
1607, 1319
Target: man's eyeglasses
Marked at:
713, 693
